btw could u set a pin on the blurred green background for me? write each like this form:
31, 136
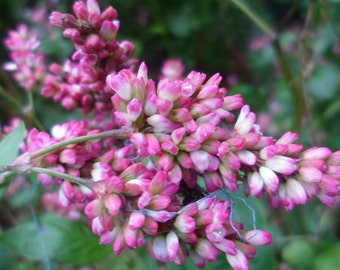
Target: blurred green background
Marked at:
291, 79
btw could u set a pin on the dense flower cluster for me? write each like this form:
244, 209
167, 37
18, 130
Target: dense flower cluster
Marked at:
26, 62
186, 142
80, 81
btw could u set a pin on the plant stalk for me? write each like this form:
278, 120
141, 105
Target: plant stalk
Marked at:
121, 133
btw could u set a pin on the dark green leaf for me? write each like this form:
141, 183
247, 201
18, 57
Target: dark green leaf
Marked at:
7, 259
328, 259
57, 239
9, 146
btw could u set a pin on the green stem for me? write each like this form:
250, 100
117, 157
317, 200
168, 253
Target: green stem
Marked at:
32, 114
10, 99
68, 177
121, 133
292, 84
257, 20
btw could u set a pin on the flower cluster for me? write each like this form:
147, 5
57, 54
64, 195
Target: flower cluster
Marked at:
80, 81
27, 64
156, 158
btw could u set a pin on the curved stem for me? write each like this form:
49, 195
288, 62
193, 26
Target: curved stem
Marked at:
68, 177
257, 20
121, 133
296, 92
10, 99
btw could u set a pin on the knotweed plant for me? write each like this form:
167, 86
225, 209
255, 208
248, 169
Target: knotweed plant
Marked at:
154, 162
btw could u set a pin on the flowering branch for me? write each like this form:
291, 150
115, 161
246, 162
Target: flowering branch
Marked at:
65, 176
149, 143
121, 133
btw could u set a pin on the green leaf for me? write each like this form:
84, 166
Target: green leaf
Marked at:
328, 259
298, 252
56, 239
9, 146
7, 259
324, 82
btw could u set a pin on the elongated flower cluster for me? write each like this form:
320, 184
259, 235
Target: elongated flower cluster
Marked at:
26, 62
80, 82
187, 144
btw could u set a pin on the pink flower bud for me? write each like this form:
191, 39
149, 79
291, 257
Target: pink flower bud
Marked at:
185, 224
97, 227
150, 226
226, 246
268, 152
257, 237
159, 248
212, 181
316, 153
245, 120
310, 174
334, 159
120, 83
270, 179
246, 157
177, 135
329, 185
118, 244
281, 164
238, 261
215, 232
233, 102
287, 138
164, 106
189, 144
68, 156
161, 123
109, 14
68, 189
166, 162
295, 191
93, 209
200, 160
159, 202
170, 147
114, 184
255, 183
172, 245
133, 238
134, 109
208, 91
206, 250
113, 204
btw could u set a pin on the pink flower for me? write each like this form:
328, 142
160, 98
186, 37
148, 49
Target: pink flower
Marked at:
258, 237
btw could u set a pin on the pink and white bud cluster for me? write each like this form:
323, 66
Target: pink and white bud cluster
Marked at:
57, 202
80, 82
204, 229
287, 174
178, 124
75, 159
26, 63
117, 212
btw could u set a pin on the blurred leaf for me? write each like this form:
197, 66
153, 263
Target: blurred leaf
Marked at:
324, 82
7, 259
58, 239
298, 253
328, 259
326, 38
9, 146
